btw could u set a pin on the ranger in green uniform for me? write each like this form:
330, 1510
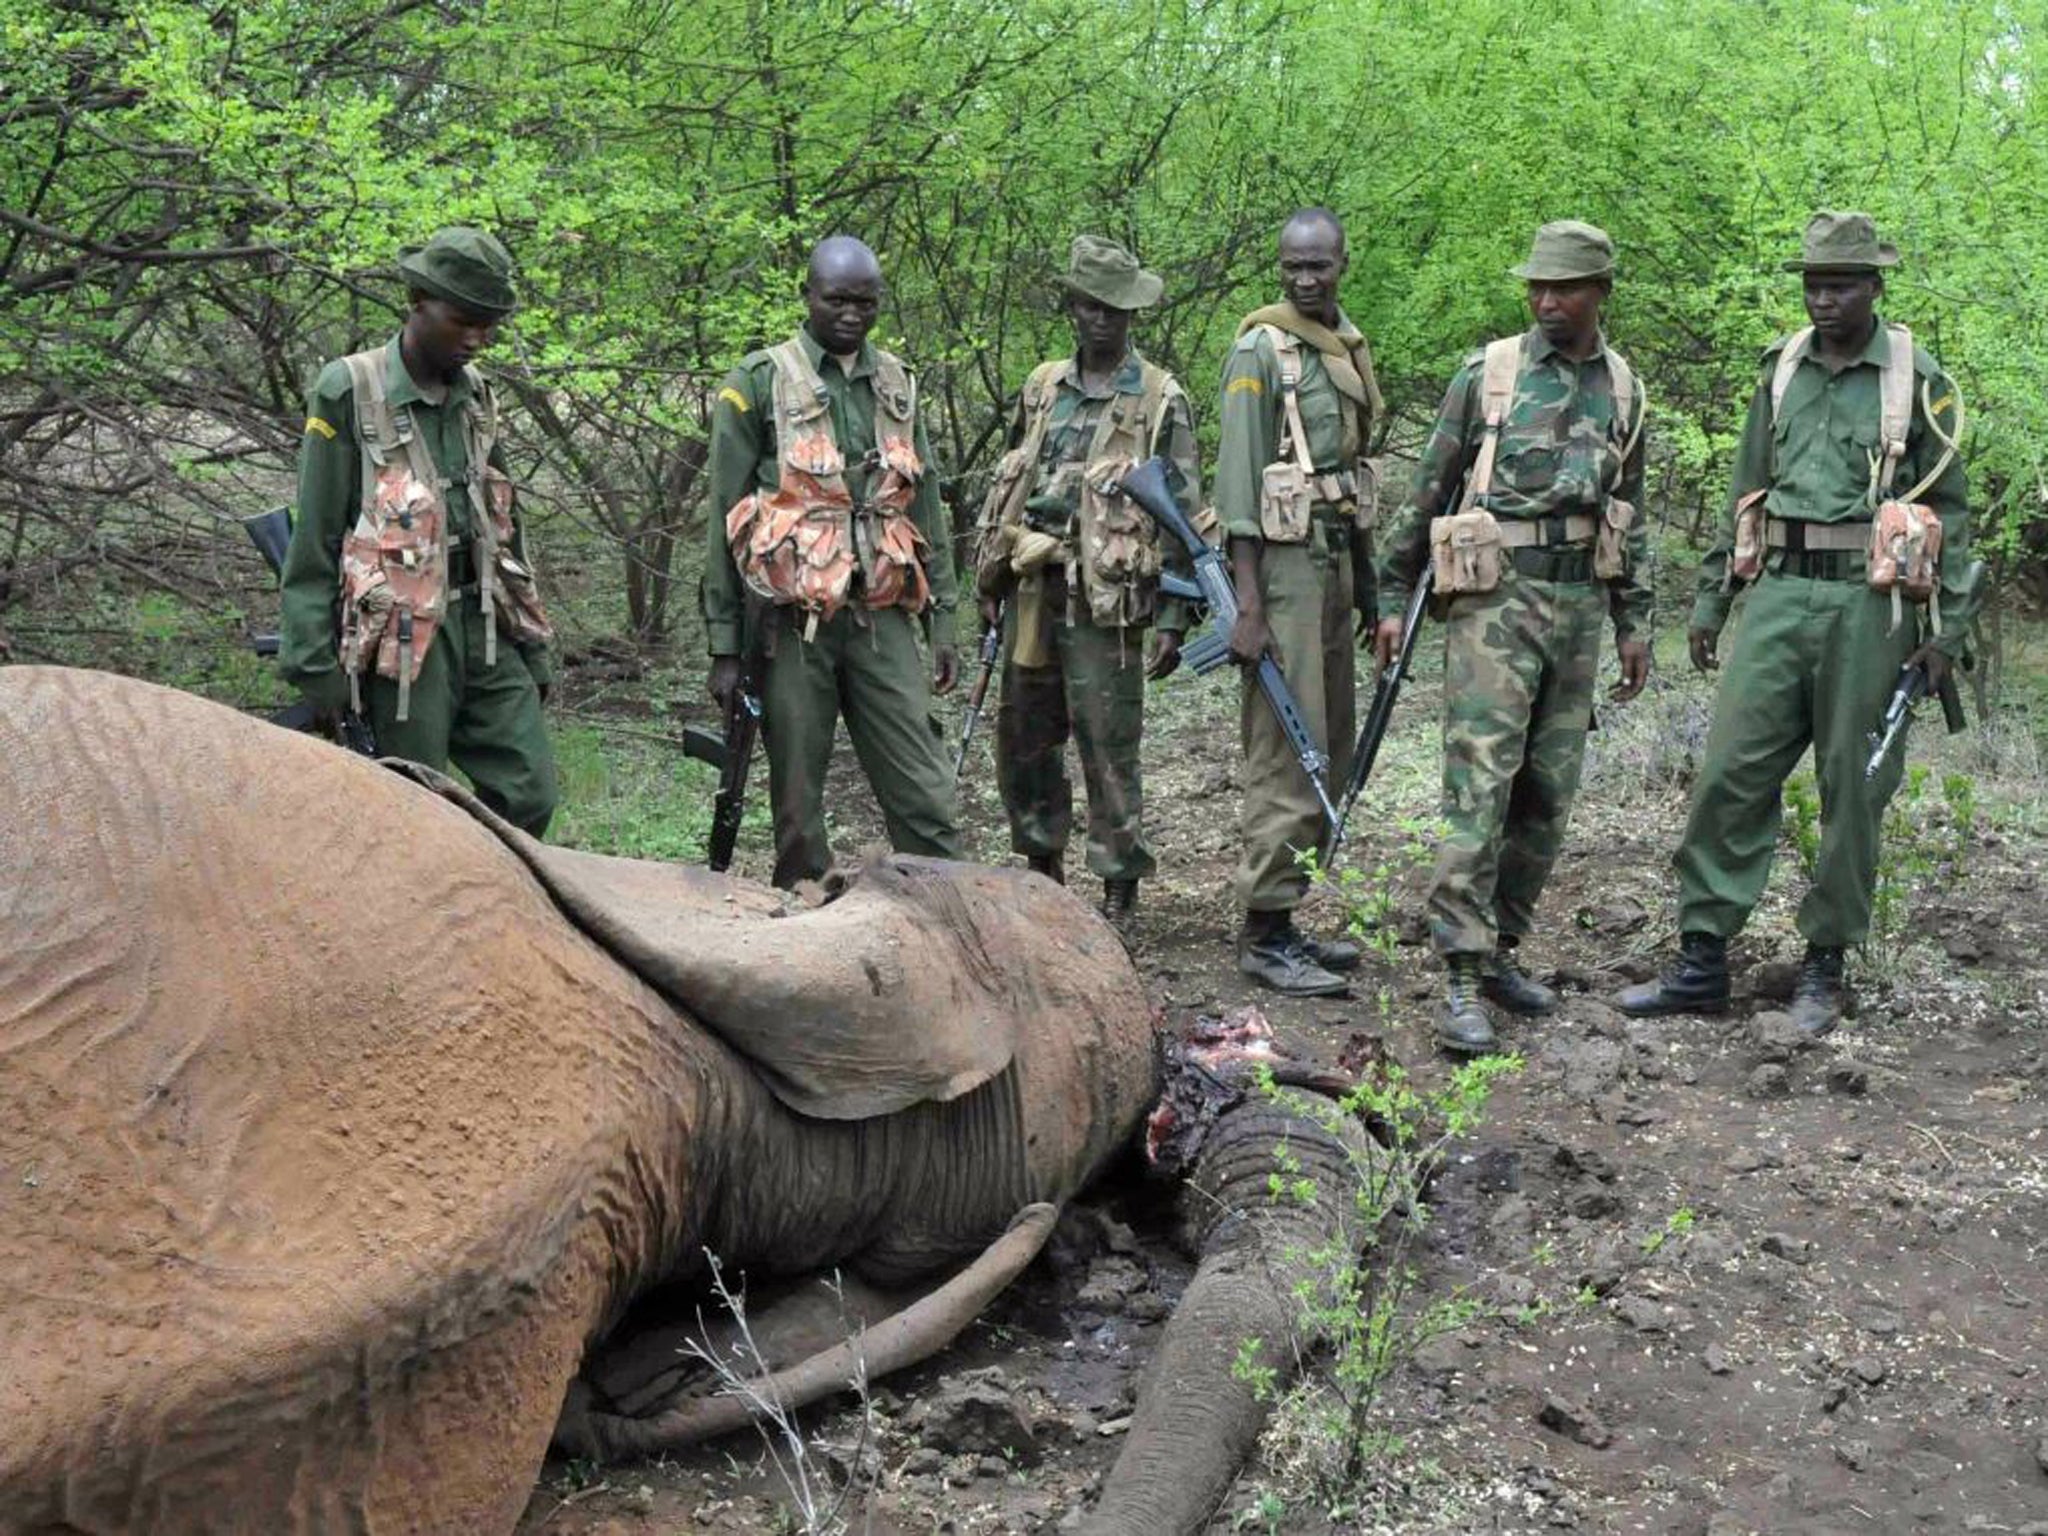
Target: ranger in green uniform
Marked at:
1292, 495
1851, 431
1077, 567
405, 526
1543, 433
827, 545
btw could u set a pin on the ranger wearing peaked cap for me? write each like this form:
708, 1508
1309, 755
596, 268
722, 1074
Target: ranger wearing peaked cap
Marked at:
464, 266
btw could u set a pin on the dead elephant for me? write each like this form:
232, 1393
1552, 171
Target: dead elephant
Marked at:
329, 1143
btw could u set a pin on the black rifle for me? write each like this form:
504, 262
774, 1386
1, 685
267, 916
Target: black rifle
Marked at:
991, 647
732, 754
1381, 715
271, 533
1146, 485
1912, 688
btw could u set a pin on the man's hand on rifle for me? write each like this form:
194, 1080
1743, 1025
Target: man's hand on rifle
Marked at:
1386, 641
1934, 661
945, 668
1704, 645
1635, 669
1250, 639
725, 677
991, 612
1165, 660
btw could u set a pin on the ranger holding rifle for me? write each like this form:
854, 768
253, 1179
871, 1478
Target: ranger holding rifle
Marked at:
1293, 495
1075, 568
1544, 432
1849, 510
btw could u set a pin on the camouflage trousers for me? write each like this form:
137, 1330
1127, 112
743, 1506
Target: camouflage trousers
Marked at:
1813, 661
1094, 691
1308, 593
1520, 666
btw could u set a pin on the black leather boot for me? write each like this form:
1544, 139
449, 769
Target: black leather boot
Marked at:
1338, 955
1502, 980
1119, 901
1050, 865
1696, 982
1817, 996
1273, 954
1464, 1029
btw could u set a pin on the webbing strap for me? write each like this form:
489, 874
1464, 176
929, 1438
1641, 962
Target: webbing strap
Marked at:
1894, 408
1287, 351
1950, 442
1496, 394
1628, 391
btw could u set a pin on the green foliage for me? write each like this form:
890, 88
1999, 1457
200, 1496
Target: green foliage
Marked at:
639, 798
1677, 1224
1801, 826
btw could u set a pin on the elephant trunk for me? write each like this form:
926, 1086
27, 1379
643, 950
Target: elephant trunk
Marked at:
1196, 1421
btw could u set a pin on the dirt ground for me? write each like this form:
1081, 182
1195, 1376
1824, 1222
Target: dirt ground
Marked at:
1728, 1283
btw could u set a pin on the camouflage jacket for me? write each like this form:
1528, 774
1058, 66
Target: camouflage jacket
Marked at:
1556, 456
1815, 459
1075, 414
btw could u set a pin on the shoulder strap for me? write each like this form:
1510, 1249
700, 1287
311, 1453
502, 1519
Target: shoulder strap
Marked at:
1788, 364
1496, 393
1895, 405
1631, 409
1157, 383
894, 382
1293, 435
375, 424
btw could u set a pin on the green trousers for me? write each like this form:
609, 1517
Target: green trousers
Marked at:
1307, 589
485, 720
1520, 666
1094, 691
1813, 662
866, 665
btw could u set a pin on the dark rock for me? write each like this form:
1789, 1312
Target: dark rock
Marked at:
923, 1461
2041, 1453
1832, 1396
1511, 1290
1608, 1264
1575, 1421
1641, 1314
1498, 1170
991, 1466
1774, 980
1783, 1245
1716, 1360
1148, 1307
1752, 1160
1853, 1454
1769, 1081
1867, 1369
1614, 917
1774, 1037
1711, 1247
1439, 1357
978, 1416
1584, 1162
1595, 1204
1590, 1066
1850, 1077
1882, 1325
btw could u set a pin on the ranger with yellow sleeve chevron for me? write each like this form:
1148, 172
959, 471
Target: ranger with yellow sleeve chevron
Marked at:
406, 523
1849, 511
826, 548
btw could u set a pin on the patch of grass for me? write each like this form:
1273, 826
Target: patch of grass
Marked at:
641, 798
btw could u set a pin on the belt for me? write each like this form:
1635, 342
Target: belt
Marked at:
1821, 564
1543, 532
1573, 563
1796, 534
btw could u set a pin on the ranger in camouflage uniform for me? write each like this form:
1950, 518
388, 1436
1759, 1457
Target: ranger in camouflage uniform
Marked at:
1521, 660
1073, 647
1819, 650
1293, 496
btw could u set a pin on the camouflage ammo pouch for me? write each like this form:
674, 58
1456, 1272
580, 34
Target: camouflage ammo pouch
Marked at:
1905, 557
1610, 546
394, 561
800, 544
1117, 544
1746, 556
1465, 553
1002, 508
1287, 485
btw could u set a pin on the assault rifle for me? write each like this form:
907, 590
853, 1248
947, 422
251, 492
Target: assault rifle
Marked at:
1381, 714
271, 533
732, 753
1146, 485
1912, 688
991, 646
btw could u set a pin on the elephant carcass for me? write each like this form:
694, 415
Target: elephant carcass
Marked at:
328, 1144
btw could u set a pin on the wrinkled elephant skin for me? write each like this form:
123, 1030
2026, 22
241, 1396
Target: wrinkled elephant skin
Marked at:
327, 1144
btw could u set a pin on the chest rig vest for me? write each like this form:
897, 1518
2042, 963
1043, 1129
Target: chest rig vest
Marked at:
802, 543
394, 561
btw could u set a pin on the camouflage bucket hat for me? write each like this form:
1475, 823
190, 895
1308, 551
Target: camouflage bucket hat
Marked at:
1109, 274
464, 266
1842, 242
1566, 251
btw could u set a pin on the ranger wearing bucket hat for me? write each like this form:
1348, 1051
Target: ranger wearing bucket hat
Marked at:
405, 515
1541, 433
1294, 495
1818, 651
1075, 571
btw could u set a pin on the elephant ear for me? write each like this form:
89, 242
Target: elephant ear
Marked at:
904, 990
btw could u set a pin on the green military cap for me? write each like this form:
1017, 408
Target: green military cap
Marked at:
1109, 274
464, 266
1842, 242
1567, 250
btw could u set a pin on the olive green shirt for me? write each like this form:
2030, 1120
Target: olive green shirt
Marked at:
1070, 431
1250, 425
744, 460
330, 499
1815, 460
1559, 454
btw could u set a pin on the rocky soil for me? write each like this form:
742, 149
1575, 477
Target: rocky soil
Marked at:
1725, 1281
